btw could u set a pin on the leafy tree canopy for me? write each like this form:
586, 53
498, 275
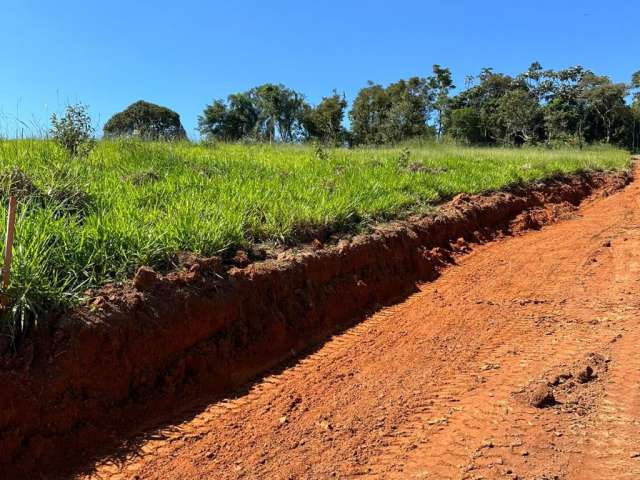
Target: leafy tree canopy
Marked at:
385, 115
147, 121
268, 112
324, 121
572, 106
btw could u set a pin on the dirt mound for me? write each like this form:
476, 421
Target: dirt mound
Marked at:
138, 348
570, 388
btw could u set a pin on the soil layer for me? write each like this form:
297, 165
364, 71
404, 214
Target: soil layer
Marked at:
380, 399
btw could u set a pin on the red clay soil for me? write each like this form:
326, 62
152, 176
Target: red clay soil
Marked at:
519, 361
447, 384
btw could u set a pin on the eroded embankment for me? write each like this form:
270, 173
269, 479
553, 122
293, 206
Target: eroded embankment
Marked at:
135, 351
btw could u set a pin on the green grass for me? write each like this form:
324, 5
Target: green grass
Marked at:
85, 222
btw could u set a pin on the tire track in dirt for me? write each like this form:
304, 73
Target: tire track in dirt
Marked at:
488, 432
484, 441
611, 449
425, 389
610, 446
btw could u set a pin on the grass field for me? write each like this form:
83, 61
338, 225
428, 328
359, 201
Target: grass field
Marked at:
85, 222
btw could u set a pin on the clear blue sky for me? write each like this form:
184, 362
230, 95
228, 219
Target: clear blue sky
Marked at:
184, 53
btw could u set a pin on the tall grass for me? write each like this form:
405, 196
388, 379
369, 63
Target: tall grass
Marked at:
87, 221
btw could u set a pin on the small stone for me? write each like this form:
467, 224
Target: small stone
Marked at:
490, 366
437, 421
145, 279
585, 375
541, 396
325, 425
607, 243
283, 420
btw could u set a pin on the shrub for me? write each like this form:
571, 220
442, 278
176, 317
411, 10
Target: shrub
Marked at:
73, 131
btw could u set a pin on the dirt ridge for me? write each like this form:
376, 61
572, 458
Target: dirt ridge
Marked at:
135, 351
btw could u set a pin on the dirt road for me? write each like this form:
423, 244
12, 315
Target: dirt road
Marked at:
443, 384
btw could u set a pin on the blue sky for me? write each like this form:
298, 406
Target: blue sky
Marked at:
182, 54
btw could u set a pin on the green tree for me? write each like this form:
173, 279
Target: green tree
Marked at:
369, 115
242, 116
635, 111
518, 112
268, 112
383, 115
441, 84
411, 104
635, 87
212, 123
606, 100
565, 113
539, 82
324, 121
147, 121
231, 121
635, 127
464, 124
484, 98
280, 112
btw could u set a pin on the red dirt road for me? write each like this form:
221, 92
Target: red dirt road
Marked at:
438, 386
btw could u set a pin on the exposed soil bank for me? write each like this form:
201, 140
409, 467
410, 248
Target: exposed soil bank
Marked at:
134, 352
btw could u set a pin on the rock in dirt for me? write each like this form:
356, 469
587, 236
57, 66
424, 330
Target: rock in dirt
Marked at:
325, 425
558, 379
541, 396
585, 374
241, 259
145, 279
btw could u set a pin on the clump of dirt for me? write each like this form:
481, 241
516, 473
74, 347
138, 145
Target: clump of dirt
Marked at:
189, 261
536, 218
570, 388
241, 259
145, 279
541, 396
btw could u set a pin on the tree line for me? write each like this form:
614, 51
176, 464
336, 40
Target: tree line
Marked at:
570, 107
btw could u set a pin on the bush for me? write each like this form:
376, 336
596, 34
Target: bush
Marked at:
146, 121
564, 140
73, 131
